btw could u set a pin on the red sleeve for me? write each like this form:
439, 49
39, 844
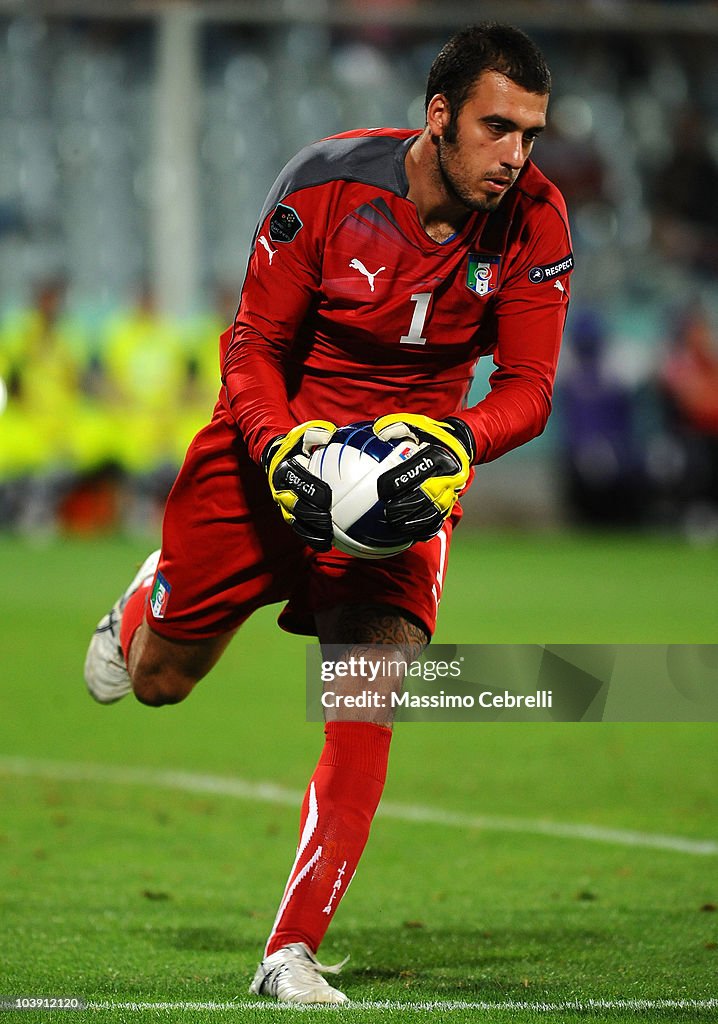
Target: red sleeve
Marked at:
282, 278
527, 321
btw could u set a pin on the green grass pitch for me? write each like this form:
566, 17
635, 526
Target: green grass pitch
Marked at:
129, 887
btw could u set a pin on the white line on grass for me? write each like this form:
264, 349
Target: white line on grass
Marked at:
577, 1006
268, 792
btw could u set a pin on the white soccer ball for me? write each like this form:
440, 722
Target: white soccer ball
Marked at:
351, 464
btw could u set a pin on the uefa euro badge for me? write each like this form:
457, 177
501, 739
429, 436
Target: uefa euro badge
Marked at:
285, 224
482, 272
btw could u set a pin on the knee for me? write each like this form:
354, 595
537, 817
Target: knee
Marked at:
165, 671
159, 685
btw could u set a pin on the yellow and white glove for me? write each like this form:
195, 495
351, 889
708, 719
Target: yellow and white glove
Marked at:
420, 493
305, 501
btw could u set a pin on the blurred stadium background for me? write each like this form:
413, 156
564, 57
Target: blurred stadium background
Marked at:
139, 138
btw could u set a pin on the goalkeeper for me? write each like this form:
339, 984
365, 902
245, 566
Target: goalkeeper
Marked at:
385, 263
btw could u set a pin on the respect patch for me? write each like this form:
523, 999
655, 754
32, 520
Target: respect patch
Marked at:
550, 270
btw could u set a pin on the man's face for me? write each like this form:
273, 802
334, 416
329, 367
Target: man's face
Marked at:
495, 132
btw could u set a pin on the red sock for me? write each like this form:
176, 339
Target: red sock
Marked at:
132, 616
337, 813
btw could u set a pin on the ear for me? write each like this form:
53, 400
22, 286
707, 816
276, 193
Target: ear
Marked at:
438, 115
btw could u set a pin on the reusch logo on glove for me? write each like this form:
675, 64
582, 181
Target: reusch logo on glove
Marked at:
412, 472
300, 483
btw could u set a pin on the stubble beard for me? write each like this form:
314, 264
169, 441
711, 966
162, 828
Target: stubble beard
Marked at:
456, 190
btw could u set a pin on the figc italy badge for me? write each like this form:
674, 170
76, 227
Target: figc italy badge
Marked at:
482, 272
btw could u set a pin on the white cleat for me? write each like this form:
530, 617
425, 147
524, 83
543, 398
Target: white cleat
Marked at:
106, 674
294, 975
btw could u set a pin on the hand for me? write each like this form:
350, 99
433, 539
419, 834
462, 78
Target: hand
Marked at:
304, 500
420, 493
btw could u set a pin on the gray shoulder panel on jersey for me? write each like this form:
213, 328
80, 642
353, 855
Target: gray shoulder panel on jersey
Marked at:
367, 159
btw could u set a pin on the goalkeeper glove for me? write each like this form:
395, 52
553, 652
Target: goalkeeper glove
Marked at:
419, 494
304, 500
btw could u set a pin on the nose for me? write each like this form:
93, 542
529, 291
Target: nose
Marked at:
515, 152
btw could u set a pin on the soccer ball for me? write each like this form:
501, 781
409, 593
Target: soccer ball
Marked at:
351, 464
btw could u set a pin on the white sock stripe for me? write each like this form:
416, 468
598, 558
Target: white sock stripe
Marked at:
289, 892
307, 832
310, 826
312, 820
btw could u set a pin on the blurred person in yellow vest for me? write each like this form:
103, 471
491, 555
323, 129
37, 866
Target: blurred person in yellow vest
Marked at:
44, 355
142, 354
202, 383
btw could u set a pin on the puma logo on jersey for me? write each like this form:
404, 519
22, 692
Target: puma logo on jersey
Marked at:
358, 265
270, 252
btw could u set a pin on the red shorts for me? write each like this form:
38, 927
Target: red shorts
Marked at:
226, 551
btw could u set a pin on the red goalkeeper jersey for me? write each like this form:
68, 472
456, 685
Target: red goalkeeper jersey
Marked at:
349, 310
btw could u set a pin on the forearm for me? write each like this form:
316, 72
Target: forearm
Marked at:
278, 289
514, 412
529, 329
255, 390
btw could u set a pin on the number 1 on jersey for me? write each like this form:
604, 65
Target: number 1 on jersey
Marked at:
422, 300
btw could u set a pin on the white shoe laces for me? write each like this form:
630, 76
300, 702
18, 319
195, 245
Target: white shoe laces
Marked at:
302, 970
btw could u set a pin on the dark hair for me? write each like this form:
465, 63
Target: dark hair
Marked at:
486, 47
